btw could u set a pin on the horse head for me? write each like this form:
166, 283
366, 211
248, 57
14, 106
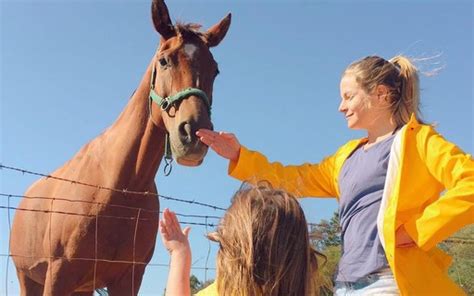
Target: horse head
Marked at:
182, 80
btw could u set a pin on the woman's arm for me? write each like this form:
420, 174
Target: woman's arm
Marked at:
251, 166
176, 242
455, 208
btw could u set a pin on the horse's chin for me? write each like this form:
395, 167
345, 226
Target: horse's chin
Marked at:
190, 157
188, 162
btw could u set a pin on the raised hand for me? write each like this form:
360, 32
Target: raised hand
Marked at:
177, 243
224, 144
174, 239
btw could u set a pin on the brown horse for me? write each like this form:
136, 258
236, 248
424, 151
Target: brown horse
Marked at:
73, 254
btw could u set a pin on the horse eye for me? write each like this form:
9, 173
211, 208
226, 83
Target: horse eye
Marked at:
163, 62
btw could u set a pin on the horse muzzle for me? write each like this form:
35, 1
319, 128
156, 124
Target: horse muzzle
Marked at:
186, 147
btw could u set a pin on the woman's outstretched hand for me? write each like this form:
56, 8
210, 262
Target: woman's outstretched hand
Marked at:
224, 144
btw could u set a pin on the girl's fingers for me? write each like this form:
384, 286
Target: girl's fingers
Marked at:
166, 216
177, 224
186, 231
172, 222
164, 231
168, 223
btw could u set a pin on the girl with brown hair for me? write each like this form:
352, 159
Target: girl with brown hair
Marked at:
264, 248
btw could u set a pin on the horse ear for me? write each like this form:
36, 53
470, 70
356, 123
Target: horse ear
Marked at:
217, 32
161, 19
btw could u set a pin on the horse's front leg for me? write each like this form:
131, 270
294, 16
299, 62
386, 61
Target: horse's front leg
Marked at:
63, 277
28, 287
128, 284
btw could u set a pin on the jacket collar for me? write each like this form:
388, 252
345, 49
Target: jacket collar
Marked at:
413, 122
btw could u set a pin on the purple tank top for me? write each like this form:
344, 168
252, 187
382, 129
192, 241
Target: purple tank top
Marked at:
361, 183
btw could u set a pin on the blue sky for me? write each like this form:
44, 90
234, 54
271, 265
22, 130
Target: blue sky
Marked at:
67, 71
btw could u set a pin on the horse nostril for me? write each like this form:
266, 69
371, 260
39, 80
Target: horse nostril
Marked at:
186, 133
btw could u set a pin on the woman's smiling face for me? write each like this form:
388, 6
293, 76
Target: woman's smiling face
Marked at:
359, 107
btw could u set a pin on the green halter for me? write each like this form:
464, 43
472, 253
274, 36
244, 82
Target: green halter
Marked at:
166, 103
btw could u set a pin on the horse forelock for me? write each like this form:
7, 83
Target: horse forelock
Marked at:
189, 30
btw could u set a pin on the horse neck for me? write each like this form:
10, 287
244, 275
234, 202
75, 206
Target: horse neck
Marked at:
134, 144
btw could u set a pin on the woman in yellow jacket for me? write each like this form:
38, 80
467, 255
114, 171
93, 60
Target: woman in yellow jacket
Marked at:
426, 192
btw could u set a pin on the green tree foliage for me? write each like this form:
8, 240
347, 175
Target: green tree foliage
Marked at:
326, 238
326, 233
195, 284
461, 247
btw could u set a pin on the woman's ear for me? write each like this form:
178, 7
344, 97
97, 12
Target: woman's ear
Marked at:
383, 93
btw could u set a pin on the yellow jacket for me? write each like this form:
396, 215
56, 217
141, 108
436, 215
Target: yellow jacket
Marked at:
422, 165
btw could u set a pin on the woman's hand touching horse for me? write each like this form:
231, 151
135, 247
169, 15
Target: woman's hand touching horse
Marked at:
224, 144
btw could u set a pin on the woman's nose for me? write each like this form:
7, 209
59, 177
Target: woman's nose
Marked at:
342, 107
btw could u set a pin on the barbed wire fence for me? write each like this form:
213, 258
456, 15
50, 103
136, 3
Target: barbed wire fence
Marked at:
136, 219
191, 220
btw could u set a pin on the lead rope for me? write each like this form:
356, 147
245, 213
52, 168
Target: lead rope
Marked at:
168, 156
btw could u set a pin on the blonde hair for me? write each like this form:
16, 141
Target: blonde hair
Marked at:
399, 75
264, 246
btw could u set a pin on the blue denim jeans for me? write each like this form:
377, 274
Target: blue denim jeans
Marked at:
379, 283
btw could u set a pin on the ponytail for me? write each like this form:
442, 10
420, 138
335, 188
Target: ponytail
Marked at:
408, 101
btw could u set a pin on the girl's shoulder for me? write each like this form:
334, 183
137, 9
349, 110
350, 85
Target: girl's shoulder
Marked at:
210, 290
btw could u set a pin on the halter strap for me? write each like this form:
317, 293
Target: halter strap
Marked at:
166, 103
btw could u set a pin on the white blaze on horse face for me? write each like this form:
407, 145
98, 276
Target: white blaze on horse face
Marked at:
190, 50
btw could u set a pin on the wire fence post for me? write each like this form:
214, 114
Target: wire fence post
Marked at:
208, 252
8, 248
134, 244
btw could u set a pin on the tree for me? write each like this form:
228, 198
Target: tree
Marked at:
195, 284
326, 233
326, 238
461, 247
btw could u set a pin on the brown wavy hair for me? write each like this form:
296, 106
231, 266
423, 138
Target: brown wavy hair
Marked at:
264, 246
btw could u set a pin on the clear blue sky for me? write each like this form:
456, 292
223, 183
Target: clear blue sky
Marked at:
67, 71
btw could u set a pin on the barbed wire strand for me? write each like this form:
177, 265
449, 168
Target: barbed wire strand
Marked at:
456, 240
104, 216
103, 204
123, 191
92, 259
